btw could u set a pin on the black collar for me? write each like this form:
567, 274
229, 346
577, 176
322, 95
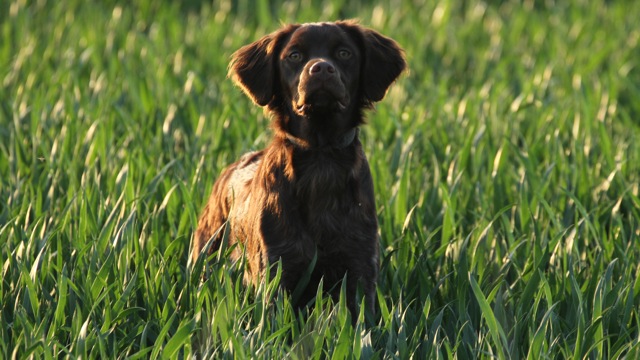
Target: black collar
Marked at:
340, 142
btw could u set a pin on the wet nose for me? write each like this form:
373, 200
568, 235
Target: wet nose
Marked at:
322, 67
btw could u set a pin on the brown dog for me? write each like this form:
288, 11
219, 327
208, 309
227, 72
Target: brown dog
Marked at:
307, 199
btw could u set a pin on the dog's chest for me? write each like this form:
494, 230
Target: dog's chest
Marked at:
326, 195
324, 182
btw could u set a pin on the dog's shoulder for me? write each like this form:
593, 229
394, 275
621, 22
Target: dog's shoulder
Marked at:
243, 170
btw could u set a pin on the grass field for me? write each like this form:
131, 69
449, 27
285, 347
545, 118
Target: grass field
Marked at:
506, 166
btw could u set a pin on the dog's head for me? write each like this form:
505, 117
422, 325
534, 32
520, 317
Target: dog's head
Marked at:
328, 69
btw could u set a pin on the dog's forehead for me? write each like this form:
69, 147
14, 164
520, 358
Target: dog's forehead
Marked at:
317, 34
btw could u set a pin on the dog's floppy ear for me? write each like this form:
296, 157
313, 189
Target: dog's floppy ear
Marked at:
254, 67
383, 61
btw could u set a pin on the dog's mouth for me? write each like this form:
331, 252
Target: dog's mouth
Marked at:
320, 100
320, 107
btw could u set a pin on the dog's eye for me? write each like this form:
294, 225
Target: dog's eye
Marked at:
295, 56
344, 54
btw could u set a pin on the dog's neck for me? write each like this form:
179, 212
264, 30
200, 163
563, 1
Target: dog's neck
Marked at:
320, 131
340, 142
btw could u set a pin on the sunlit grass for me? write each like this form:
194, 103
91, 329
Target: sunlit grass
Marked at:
505, 162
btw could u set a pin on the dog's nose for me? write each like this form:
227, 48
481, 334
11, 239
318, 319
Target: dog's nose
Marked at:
322, 67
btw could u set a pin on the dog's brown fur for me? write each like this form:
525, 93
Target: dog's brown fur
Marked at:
309, 195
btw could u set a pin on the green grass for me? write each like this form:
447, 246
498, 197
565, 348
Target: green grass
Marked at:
506, 167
